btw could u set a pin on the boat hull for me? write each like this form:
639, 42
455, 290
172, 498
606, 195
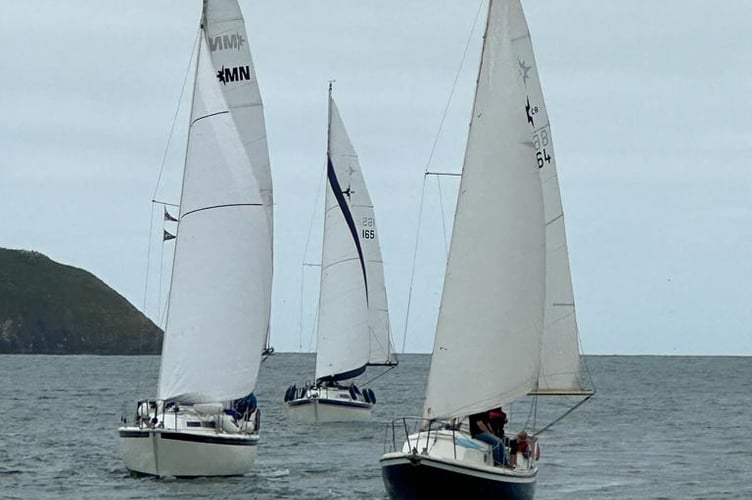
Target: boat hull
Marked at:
181, 453
417, 477
322, 410
431, 462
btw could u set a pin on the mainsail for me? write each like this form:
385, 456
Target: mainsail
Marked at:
560, 360
231, 56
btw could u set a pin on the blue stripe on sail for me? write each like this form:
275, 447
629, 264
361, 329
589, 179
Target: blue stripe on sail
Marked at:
337, 189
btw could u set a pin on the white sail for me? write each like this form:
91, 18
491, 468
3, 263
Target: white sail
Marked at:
560, 355
353, 322
488, 338
381, 349
219, 304
231, 57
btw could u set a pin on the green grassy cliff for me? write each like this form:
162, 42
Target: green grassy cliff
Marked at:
51, 308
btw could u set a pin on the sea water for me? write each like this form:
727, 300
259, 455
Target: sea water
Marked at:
657, 428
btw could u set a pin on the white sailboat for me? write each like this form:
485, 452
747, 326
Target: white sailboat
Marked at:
204, 421
353, 318
506, 327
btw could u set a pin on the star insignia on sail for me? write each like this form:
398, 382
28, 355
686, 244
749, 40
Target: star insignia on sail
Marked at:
528, 108
221, 75
524, 70
241, 40
349, 192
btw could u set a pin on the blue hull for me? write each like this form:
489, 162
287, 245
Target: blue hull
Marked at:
417, 477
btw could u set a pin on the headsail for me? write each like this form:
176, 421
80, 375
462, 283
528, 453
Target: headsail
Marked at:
221, 279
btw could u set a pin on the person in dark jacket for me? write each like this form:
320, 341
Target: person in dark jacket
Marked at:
480, 429
498, 419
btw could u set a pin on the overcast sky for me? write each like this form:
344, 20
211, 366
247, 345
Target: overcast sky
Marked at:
649, 100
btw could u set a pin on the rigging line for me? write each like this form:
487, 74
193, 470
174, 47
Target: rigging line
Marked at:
454, 85
305, 253
140, 381
163, 314
148, 260
584, 363
314, 330
368, 382
580, 403
532, 415
428, 164
300, 315
161, 268
163, 303
415, 257
175, 116
166, 203
447, 174
443, 219
156, 188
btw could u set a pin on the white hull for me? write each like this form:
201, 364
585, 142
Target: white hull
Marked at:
322, 405
160, 452
190, 441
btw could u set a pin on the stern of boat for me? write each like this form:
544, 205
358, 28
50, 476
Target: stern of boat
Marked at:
322, 404
425, 459
188, 441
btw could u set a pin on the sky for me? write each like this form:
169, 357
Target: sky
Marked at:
649, 102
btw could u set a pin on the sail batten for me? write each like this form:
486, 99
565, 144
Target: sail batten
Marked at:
561, 392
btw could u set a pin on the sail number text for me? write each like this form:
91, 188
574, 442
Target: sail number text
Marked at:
540, 141
366, 233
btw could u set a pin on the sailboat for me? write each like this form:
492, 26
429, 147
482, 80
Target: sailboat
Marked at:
506, 328
204, 420
353, 317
